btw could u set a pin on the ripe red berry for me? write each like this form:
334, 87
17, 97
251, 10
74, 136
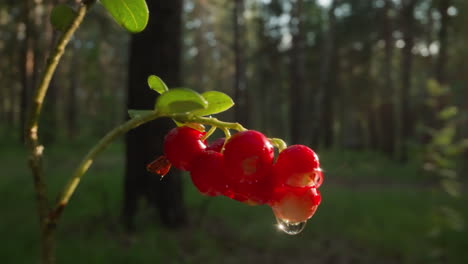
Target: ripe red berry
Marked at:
298, 166
250, 193
207, 173
293, 204
248, 157
182, 145
217, 145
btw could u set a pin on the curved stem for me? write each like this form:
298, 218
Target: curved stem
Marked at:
51, 66
87, 161
32, 139
278, 143
209, 133
212, 122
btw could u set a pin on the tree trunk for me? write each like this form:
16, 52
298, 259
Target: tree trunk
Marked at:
443, 42
323, 109
157, 50
44, 46
387, 111
71, 107
240, 83
407, 17
298, 79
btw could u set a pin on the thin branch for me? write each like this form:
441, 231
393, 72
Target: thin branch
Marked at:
87, 161
52, 63
212, 122
32, 139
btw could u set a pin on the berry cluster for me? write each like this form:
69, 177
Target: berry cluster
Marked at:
244, 168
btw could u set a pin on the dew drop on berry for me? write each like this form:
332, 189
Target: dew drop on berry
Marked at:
290, 228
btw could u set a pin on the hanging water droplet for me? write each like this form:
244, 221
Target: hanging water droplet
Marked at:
290, 228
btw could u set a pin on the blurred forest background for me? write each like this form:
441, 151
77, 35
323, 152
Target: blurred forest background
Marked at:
377, 87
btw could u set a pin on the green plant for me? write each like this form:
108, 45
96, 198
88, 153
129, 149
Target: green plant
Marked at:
186, 107
441, 156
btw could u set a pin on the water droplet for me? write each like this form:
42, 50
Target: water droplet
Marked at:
290, 228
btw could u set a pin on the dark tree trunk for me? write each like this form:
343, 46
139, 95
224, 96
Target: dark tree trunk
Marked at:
298, 79
323, 109
387, 116
240, 83
407, 17
157, 50
440, 71
43, 48
11, 93
370, 137
443, 41
49, 116
71, 107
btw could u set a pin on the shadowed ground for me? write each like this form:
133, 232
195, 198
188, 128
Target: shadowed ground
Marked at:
375, 211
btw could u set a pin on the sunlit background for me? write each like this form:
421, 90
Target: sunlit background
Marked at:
377, 88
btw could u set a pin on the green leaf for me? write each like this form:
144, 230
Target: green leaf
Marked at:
180, 100
155, 83
448, 112
62, 16
217, 102
137, 113
130, 14
452, 187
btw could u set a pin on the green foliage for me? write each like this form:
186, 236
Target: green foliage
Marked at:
62, 16
217, 102
180, 100
442, 154
130, 14
451, 186
448, 112
183, 100
155, 83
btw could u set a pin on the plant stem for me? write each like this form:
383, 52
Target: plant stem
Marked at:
209, 133
87, 161
278, 143
212, 122
32, 139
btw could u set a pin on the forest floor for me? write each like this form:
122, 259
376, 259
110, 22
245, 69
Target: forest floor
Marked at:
373, 211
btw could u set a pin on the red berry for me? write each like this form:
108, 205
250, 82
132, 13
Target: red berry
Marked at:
207, 173
293, 204
217, 145
182, 145
250, 193
249, 156
298, 166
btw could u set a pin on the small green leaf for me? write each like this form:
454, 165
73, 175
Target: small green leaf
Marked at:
448, 112
155, 83
217, 102
452, 187
137, 113
62, 16
130, 14
180, 100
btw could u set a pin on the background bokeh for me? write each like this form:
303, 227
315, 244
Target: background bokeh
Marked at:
376, 87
